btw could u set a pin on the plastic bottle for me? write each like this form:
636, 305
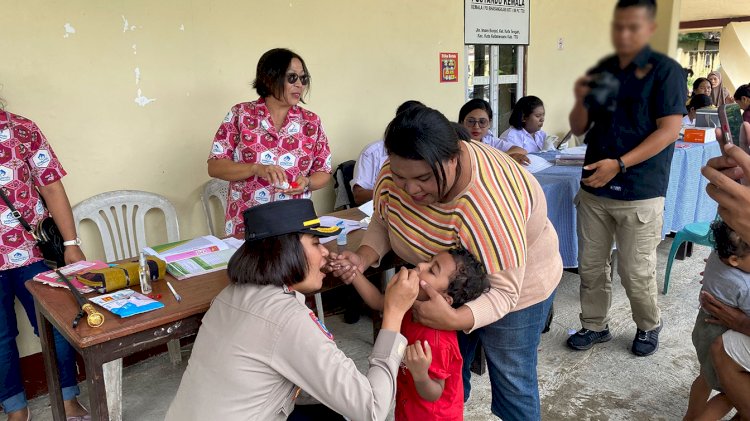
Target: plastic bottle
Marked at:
144, 274
341, 237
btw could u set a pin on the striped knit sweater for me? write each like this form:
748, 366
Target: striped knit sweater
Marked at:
501, 218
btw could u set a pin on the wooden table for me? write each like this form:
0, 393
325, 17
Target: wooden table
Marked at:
118, 337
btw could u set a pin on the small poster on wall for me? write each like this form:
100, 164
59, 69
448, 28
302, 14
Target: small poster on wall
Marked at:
496, 22
448, 67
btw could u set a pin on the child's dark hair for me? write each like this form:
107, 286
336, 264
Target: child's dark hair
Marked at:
727, 242
523, 108
470, 279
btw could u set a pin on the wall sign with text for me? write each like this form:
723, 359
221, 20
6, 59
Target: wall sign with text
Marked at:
496, 22
448, 67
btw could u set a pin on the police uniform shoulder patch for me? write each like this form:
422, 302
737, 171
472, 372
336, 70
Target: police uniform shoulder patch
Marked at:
321, 326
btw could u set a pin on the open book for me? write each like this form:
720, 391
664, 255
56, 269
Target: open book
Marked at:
189, 258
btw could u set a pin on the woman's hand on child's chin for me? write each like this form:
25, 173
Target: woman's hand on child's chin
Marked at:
435, 312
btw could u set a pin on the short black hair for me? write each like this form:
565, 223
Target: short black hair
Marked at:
697, 83
407, 105
699, 101
743, 90
470, 279
650, 5
523, 108
474, 104
423, 134
270, 74
275, 261
688, 72
727, 242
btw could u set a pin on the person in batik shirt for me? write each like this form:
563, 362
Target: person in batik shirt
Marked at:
30, 176
271, 149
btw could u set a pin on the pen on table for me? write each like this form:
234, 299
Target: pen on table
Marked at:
176, 295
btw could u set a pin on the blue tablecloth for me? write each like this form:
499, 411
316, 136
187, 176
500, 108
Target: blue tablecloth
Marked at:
686, 199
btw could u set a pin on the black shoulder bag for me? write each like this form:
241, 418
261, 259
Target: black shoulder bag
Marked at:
47, 235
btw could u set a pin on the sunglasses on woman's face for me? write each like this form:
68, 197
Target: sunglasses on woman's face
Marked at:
292, 78
482, 122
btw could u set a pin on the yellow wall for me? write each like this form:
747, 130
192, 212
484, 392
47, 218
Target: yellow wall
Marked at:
365, 57
668, 27
735, 54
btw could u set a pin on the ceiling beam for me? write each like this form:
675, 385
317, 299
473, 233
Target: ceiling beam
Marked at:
712, 23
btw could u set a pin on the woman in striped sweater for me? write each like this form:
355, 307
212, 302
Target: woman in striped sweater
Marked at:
437, 192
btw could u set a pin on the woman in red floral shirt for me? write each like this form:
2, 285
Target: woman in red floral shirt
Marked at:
271, 148
30, 172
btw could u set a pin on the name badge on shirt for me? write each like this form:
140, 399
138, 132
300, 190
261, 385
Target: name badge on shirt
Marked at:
4, 134
294, 128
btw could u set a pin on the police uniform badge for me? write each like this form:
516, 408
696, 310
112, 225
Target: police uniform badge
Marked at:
321, 326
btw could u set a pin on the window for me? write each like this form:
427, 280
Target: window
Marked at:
495, 74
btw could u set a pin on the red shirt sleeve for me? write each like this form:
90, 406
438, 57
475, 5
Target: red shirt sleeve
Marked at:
443, 357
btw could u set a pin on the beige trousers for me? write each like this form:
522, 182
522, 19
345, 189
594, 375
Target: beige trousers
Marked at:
635, 226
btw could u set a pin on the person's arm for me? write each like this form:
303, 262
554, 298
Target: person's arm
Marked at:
723, 172
332, 378
579, 115
369, 293
315, 181
226, 169
725, 315
418, 362
361, 194
667, 132
59, 207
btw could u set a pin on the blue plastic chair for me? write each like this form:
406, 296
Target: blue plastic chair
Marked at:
698, 233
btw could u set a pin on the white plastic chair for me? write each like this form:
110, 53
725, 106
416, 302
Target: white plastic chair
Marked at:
120, 216
220, 189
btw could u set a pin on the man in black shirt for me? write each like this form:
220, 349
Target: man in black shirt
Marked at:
631, 135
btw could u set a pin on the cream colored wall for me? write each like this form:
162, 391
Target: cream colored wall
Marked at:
584, 26
197, 59
668, 27
735, 54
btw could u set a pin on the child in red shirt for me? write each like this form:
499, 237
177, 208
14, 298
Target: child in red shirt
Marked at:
429, 384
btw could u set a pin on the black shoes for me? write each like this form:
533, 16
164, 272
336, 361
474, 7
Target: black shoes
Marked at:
646, 342
584, 339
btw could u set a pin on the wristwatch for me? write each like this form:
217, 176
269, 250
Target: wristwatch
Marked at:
76, 242
623, 169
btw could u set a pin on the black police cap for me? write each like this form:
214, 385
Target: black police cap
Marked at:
284, 217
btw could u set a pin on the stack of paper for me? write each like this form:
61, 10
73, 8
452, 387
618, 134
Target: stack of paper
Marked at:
78, 268
536, 164
189, 258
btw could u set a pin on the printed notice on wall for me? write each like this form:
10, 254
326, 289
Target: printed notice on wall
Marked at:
448, 67
496, 22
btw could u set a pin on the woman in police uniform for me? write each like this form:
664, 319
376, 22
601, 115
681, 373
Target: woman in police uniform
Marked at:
259, 343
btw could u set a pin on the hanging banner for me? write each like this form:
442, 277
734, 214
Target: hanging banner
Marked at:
496, 22
448, 67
